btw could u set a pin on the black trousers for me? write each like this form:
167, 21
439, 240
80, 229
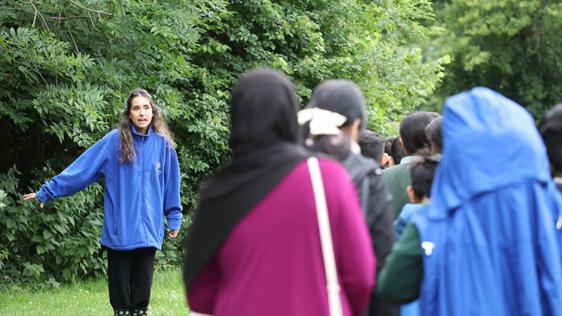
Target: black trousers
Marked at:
130, 278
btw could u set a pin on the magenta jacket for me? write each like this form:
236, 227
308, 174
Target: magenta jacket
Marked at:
271, 263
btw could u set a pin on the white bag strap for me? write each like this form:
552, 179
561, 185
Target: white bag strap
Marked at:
332, 284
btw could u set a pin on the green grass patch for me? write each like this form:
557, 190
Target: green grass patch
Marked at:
91, 298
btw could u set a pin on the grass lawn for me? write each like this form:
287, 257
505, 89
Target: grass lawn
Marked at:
91, 298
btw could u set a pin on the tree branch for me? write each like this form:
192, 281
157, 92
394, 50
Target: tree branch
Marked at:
72, 37
34, 18
40, 15
62, 18
92, 21
88, 9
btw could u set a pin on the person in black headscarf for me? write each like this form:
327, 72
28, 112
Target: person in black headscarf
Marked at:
254, 246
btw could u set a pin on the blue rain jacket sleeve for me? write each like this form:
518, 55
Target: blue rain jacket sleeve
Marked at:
85, 170
172, 203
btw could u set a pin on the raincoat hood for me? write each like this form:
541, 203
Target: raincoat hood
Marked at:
491, 235
483, 148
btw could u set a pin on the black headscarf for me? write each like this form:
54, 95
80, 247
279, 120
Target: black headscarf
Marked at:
264, 147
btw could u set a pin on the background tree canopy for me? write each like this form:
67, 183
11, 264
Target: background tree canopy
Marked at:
514, 47
67, 67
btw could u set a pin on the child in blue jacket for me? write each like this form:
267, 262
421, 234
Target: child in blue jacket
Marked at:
142, 186
419, 192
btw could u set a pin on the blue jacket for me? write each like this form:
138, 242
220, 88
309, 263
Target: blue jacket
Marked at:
405, 216
138, 194
412, 308
489, 238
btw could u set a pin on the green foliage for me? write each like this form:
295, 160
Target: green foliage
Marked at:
508, 45
59, 242
66, 69
392, 69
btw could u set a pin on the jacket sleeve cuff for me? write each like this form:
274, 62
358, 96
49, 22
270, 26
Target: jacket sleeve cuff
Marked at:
174, 222
42, 195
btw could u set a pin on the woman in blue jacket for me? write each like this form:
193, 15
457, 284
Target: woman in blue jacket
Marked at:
142, 186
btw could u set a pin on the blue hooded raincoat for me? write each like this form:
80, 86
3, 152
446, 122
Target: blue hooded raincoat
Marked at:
490, 237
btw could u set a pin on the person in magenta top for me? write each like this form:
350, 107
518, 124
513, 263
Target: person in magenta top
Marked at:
254, 245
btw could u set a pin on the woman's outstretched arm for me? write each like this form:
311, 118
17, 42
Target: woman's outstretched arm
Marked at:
84, 171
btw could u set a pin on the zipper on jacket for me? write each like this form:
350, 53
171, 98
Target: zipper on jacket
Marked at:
143, 204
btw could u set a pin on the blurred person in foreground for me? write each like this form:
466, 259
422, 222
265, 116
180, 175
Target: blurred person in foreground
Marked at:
254, 245
488, 242
335, 118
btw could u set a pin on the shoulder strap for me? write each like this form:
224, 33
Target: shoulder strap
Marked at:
365, 195
332, 284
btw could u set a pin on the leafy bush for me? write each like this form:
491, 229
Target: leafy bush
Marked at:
66, 69
60, 240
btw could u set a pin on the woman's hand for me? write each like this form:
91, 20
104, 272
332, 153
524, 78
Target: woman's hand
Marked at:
173, 233
30, 196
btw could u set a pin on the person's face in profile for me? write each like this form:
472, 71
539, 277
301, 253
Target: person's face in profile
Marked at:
141, 113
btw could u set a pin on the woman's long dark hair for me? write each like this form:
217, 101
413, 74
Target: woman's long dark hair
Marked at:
126, 147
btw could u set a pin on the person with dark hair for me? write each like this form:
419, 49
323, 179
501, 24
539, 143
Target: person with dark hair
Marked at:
433, 134
142, 186
419, 192
372, 146
414, 142
336, 117
396, 151
387, 153
254, 246
393, 151
434, 115
490, 236
551, 132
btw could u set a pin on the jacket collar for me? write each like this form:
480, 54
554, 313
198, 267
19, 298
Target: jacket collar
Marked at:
409, 159
136, 132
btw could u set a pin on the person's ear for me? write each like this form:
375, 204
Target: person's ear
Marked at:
385, 159
355, 129
352, 130
390, 161
411, 195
